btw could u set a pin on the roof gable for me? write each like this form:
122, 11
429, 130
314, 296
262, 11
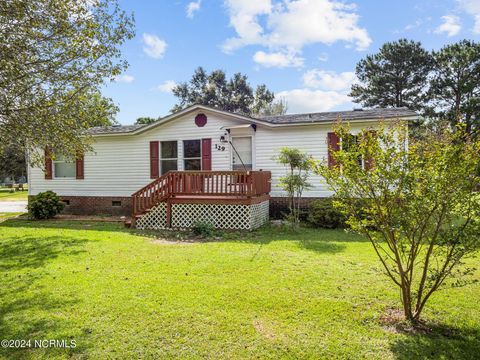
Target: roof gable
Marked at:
137, 129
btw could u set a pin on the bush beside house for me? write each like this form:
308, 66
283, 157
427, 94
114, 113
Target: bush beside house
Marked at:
323, 214
45, 205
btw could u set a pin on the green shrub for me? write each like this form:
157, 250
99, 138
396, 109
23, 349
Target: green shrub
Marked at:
203, 228
323, 214
45, 205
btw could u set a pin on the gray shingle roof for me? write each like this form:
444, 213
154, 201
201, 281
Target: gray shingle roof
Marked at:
365, 114
344, 115
116, 129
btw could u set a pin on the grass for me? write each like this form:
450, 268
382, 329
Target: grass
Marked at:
269, 294
4, 216
6, 195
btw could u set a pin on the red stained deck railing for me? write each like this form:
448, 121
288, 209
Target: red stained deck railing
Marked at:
211, 184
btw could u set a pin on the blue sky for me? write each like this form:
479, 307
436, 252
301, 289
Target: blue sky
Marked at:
303, 50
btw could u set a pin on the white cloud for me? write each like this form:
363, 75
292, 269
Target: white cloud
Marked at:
277, 59
154, 46
193, 7
329, 80
414, 25
292, 24
451, 25
125, 78
306, 100
324, 91
472, 7
304, 22
167, 86
244, 19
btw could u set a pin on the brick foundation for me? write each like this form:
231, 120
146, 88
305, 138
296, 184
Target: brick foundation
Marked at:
102, 205
97, 205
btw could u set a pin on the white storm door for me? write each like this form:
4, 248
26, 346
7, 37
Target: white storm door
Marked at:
242, 153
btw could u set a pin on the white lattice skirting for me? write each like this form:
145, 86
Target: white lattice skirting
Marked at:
155, 219
221, 216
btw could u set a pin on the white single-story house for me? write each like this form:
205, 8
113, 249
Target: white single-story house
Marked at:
221, 160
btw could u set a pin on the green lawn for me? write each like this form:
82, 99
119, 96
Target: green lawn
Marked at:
269, 294
6, 195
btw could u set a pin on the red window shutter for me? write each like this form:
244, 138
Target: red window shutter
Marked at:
154, 160
333, 145
79, 166
206, 154
48, 165
369, 163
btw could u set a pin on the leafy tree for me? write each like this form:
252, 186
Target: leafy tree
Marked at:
145, 120
416, 205
278, 107
455, 85
54, 58
214, 89
397, 76
295, 182
12, 163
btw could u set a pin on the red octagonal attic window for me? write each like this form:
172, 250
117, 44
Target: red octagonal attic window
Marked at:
201, 120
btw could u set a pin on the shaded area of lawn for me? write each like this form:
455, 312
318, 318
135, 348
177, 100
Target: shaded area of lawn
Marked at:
273, 293
445, 342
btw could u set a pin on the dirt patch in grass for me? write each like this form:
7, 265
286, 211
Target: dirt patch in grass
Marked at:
264, 330
172, 241
393, 321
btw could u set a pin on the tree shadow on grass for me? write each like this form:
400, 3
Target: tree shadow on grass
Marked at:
308, 239
24, 222
441, 343
32, 252
29, 309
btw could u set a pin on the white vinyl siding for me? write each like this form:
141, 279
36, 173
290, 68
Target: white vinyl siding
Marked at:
309, 138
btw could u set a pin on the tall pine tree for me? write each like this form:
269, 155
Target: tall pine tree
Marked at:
455, 84
396, 76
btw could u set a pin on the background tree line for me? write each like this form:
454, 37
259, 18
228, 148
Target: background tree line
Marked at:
443, 86
216, 90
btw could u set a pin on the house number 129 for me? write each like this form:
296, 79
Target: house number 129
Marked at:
219, 147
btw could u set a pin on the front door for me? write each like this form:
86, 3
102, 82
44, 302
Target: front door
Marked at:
242, 158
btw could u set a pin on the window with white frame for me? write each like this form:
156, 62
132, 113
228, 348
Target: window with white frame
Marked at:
192, 154
168, 156
63, 167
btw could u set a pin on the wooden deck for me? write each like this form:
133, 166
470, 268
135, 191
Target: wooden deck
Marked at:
202, 187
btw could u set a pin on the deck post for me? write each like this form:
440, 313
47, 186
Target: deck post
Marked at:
169, 213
